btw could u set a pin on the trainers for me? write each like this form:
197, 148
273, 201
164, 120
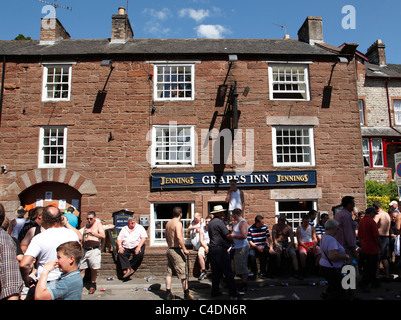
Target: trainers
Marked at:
203, 275
170, 296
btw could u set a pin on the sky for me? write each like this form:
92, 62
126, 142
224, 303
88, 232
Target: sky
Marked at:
350, 21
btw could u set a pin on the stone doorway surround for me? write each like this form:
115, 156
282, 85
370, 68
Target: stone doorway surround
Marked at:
10, 195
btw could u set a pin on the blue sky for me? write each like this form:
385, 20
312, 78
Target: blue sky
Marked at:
91, 19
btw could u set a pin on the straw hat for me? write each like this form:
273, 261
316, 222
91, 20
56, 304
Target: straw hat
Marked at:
218, 208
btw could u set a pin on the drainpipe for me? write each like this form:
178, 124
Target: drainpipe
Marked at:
3, 75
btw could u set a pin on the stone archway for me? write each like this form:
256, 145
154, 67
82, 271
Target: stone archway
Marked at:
10, 195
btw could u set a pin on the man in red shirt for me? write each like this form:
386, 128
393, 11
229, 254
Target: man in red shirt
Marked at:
369, 239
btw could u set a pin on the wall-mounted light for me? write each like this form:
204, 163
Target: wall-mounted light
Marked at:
232, 57
106, 63
3, 170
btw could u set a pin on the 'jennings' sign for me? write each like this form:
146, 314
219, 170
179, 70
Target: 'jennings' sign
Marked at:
211, 180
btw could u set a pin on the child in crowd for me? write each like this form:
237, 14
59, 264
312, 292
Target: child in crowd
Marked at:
69, 286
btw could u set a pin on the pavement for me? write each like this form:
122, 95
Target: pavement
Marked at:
285, 288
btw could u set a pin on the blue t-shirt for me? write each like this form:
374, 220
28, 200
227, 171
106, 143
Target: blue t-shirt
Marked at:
68, 287
72, 219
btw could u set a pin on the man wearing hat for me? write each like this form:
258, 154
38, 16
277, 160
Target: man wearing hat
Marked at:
220, 240
281, 231
17, 224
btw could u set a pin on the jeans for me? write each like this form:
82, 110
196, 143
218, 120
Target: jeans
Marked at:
253, 254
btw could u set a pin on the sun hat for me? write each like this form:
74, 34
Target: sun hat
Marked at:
218, 208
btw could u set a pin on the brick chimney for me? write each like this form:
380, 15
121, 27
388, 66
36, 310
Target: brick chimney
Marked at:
311, 31
121, 30
376, 53
52, 31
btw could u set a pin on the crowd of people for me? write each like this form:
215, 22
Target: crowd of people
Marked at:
44, 256
369, 241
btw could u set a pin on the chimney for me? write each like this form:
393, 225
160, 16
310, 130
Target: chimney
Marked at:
311, 31
376, 53
121, 30
52, 31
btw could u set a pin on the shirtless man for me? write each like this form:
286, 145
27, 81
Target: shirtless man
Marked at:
176, 254
92, 234
383, 221
280, 233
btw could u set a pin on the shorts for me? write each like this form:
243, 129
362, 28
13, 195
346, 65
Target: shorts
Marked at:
241, 260
385, 245
176, 263
91, 259
201, 252
284, 245
315, 252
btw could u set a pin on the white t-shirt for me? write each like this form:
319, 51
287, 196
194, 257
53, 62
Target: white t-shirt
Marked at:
43, 247
131, 238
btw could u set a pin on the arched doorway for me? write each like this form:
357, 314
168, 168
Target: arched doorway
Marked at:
60, 195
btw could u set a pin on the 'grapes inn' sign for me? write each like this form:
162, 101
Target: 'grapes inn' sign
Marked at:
212, 180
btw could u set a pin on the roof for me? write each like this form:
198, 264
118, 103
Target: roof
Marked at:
387, 71
379, 132
73, 47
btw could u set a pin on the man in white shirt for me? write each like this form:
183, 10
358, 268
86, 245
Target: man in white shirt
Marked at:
235, 197
131, 241
43, 246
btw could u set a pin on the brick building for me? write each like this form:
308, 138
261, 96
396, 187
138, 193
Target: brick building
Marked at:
379, 92
137, 124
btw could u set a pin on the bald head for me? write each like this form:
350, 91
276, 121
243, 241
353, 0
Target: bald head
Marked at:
51, 217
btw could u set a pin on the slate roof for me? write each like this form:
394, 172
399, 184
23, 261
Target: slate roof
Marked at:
387, 71
73, 47
379, 132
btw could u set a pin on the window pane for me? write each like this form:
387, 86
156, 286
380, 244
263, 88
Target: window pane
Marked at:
289, 82
293, 145
175, 83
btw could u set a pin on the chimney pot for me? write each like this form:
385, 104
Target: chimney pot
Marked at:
121, 30
121, 11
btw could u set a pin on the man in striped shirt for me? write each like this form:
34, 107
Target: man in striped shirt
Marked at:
260, 245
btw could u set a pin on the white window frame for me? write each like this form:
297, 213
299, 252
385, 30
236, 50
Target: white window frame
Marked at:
153, 220
361, 105
157, 82
301, 213
366, 151
311, 146
172, 163
379, 152
397, 111
305, 82
41, 153
45, 82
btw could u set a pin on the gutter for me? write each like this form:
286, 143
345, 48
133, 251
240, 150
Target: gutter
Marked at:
3, 75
